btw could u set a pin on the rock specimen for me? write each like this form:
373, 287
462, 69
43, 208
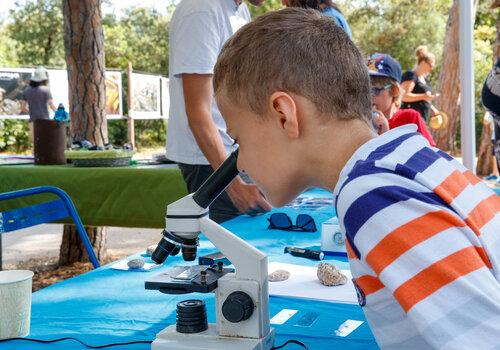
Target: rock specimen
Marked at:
329, 275
279, 276
135, 263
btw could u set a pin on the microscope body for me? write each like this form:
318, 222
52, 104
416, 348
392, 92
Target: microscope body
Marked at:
242, 297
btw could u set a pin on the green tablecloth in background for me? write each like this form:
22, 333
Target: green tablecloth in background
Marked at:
124, 197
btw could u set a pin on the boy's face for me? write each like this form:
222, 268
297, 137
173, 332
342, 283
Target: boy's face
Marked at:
264, 152
382, 98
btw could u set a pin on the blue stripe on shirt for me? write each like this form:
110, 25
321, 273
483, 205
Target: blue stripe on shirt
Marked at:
417, 163
369, 204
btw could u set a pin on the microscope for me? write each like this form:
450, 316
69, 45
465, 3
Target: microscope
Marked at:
242, 294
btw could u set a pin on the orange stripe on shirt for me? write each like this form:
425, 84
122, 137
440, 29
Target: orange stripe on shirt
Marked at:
452, 186
369, 284
350, 252
473, 179
436, 276
483, 213
409, 235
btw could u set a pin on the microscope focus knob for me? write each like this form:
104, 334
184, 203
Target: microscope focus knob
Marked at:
237, 307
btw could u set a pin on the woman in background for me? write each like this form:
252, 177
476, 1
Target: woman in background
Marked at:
418, 94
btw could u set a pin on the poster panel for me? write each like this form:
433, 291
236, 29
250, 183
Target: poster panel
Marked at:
13, 81
114, 108
165, 97
145, 96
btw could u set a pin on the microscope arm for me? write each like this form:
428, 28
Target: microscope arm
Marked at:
250, 263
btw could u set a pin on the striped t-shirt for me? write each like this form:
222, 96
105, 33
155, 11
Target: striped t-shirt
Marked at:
423, 240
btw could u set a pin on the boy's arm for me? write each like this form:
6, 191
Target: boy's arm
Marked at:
429, 260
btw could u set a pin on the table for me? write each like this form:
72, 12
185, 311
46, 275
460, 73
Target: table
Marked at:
106, 306
124, 197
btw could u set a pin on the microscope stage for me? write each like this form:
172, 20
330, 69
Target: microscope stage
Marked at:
187, 279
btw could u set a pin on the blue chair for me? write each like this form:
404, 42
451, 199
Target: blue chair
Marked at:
59, 209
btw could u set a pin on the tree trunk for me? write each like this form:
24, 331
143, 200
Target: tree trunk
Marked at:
449, 81
84, 49
72, 249
484, 158
485, 162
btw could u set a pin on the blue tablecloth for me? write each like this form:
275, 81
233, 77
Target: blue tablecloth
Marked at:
109, 306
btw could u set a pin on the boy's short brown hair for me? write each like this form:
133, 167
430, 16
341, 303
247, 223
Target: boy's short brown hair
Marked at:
298, 51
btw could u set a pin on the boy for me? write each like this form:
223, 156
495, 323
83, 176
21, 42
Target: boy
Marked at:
422, 231
385, 77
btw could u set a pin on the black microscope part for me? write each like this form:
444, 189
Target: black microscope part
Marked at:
237, 307
204, 196
191, 316
217, 182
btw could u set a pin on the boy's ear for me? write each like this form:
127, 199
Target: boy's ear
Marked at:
283, 107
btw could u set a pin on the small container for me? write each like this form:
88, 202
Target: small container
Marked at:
332, 239
15, 303
49, 142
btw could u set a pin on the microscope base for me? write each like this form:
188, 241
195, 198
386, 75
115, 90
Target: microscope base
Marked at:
169, 339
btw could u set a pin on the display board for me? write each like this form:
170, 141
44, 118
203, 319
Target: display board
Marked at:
13, 81
145, 96
114, 108
165, 97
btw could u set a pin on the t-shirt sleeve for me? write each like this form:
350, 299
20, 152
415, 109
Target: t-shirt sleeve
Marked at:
195, 44
408, 75
425, 255
49, 95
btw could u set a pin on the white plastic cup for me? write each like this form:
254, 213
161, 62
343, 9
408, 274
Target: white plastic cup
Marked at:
15, 303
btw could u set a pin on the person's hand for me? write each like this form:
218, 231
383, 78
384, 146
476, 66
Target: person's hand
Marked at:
380, 122
247, 198
428, 96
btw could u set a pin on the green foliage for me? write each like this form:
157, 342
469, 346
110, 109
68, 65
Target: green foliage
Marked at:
148, 133
140, 37
37, 28
14, 136
268, 5
397, 27
8, 54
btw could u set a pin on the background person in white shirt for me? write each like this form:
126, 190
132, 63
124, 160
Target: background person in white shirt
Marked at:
196, 138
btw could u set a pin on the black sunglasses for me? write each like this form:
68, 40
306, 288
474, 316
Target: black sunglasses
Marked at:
281, 221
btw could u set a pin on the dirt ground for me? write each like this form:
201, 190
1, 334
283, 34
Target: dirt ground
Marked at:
37, 249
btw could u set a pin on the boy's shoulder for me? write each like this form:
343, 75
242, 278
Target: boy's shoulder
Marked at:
397, 160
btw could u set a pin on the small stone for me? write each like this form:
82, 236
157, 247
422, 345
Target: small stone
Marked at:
151, 249
329, 275
279, 276
135, 263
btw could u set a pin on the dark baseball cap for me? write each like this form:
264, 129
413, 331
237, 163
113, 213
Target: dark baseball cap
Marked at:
383, 65
490, 95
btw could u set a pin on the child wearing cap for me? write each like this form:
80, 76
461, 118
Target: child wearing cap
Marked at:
385, 77
422, 231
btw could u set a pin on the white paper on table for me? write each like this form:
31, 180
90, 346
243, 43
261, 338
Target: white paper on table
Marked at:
304, 283
122, 265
